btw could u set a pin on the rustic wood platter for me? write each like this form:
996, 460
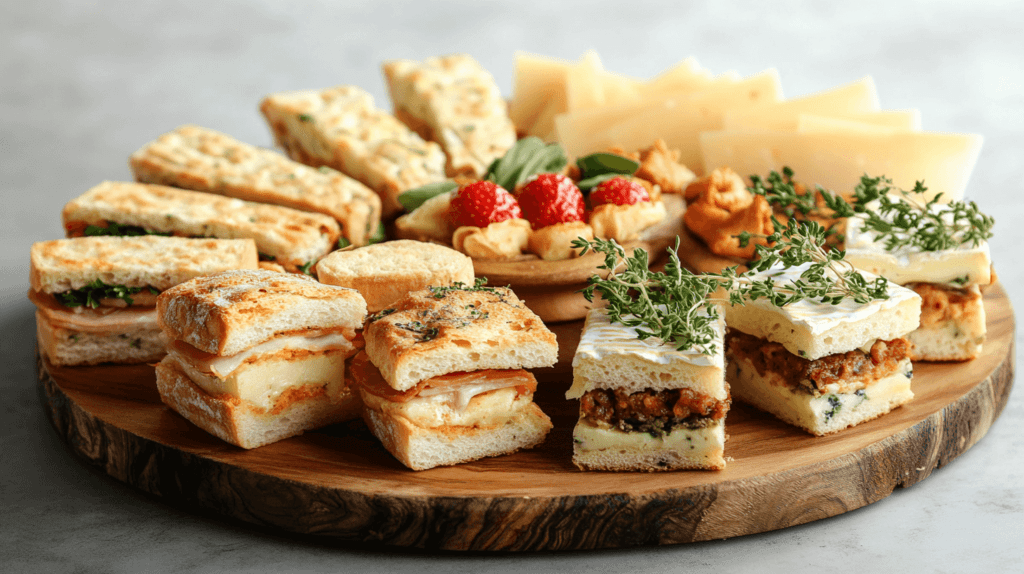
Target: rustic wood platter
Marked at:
340, 483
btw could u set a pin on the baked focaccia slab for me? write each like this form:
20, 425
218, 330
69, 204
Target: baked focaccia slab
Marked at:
644, 404
819, 366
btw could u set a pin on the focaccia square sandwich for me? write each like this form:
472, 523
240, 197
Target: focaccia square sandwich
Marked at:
822, 367
949, 282
443, 379
96, 296
644, 405
258, 356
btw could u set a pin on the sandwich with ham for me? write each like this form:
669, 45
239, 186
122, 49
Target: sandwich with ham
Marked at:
443, 377
257, 356
95, 297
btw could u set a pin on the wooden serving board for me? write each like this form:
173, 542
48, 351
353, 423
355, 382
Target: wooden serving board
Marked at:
340, 482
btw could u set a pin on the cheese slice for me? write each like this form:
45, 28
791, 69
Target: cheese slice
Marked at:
859, 96
687, 75
677, 120
884, 121
837, 161
536, 81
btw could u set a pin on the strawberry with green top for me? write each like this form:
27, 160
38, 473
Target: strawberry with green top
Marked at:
551, 198
482, 203
619, 191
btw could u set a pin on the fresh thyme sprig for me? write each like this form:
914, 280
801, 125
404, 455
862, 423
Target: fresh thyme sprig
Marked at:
899, 218
679, 307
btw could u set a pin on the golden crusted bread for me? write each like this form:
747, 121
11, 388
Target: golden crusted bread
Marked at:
386, 272
812, 330
291, 237
243, 424
230, 312
445, 330
197, 158
148, 261
453, 101
341, 128
143, 343
422, 448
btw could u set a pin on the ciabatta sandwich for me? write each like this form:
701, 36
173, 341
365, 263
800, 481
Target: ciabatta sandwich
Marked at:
291, 238
257, 356
644, 405
822, 367
443, 376
96, 296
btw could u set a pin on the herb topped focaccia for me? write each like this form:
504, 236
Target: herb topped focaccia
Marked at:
341, 128
291, 238
938, 250
453, 101
443, 379
201, 159
95, 296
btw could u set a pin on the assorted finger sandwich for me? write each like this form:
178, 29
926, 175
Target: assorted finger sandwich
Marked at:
256, 284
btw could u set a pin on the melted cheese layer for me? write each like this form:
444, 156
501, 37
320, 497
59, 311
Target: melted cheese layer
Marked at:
221, 367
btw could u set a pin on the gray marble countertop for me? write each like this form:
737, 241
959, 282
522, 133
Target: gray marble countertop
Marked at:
83, 86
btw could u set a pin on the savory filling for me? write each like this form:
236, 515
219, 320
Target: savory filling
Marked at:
942, 303
650, 411
836, 373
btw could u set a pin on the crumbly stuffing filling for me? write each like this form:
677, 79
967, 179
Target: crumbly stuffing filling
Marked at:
650, 411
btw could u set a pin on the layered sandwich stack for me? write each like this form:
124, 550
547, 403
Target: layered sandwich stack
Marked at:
258, 356
644, 405
443, 380
96, 296
819, 366
949, 282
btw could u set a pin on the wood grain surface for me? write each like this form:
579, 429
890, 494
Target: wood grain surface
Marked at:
339, 482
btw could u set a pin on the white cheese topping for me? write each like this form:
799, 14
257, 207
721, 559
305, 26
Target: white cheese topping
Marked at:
910, 265
819, 317
602, 338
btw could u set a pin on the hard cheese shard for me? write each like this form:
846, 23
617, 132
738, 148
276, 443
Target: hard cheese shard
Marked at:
677, 401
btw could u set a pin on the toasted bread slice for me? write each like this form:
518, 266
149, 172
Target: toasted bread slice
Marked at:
147, 261
287, 236
386, 272
453, 101
201, 159
445, 330
230, 312
341, 128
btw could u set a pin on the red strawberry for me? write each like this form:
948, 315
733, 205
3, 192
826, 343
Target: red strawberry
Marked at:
481, 203
620, 191
551, 198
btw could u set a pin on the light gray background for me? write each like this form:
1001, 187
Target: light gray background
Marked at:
82, 86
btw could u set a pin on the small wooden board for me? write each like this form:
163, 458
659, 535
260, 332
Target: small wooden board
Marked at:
340, 482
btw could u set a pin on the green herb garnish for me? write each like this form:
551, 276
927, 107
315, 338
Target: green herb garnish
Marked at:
528, 157
343, 243
118, 230
91, 294
424, 333
378, 236
439, 292
305, 118
679, 307
899, 218
305, 267
597, 168
413, 198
